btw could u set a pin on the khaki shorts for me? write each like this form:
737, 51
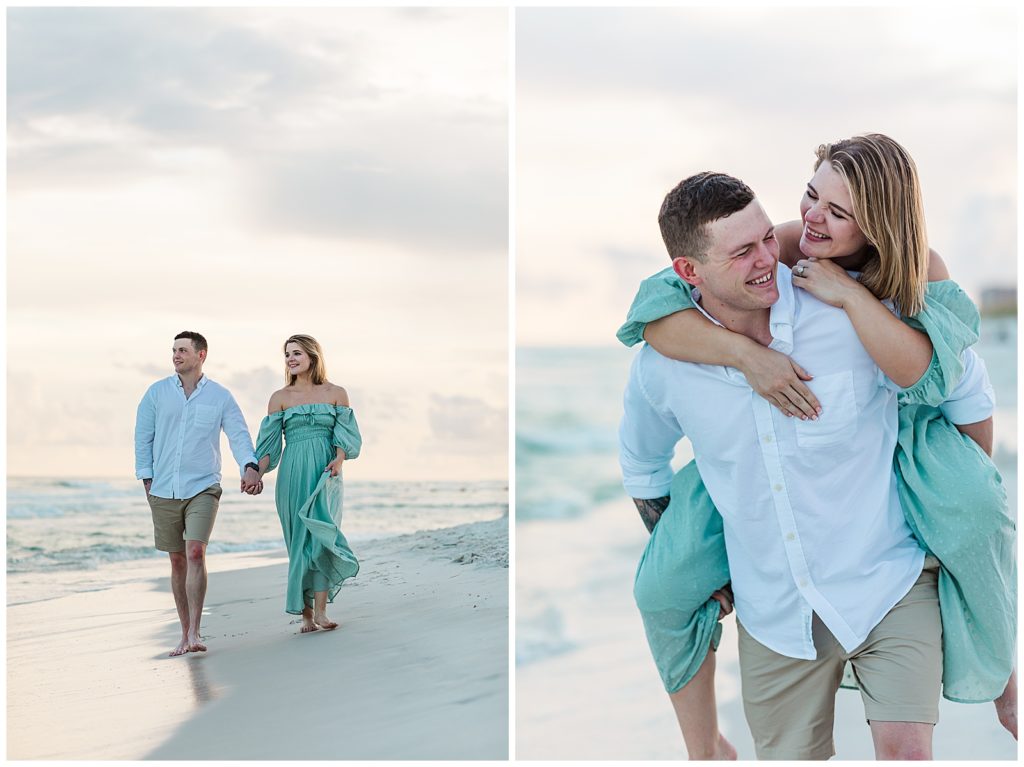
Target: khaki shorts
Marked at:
177, 520
790, 702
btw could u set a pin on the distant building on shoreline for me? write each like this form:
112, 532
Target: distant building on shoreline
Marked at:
999, 301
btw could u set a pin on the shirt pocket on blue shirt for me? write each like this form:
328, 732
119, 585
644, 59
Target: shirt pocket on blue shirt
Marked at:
838, 419
205, 417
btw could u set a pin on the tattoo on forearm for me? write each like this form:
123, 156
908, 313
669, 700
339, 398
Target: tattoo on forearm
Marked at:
651, 510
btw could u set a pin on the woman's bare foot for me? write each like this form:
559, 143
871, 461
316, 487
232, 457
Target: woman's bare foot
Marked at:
307, 621
181, 649
1006, 706
321, 620
725, 750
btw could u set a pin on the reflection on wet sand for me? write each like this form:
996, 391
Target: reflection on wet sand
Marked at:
202, 690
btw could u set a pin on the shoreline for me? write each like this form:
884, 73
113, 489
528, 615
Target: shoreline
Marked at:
417, 669
114, 572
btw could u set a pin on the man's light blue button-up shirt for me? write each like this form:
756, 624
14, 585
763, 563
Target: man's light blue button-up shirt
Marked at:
177, 438
812, 520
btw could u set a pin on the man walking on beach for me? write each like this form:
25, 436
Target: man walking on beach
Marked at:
824, 566
177, 457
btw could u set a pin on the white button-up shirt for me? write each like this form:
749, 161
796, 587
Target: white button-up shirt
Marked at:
973, 399
177, 438
812, 520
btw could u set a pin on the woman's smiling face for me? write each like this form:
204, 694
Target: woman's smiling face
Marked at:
826, 211
296, 359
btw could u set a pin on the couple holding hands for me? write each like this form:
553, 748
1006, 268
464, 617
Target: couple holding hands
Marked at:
309, 431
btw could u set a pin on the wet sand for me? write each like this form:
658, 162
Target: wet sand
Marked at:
418, 668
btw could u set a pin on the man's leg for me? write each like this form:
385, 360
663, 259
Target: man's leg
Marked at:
790, 702
178, 570
195, 590
200, 514
899, 670
697, 714
905, 741
168, 526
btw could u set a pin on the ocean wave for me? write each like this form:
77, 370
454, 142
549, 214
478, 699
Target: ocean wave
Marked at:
35, 558
81, 558
561, 499
59, 487
558, 442
70, 524
217, 547
541, 636
34, 510
392, 505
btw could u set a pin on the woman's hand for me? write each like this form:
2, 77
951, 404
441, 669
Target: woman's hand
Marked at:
780, 380
826, 281
335, 466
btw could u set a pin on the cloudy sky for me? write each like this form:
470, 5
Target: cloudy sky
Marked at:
253, 173
615, 106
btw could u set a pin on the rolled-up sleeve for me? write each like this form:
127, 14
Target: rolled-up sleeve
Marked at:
145, 431
647, 439
973, 399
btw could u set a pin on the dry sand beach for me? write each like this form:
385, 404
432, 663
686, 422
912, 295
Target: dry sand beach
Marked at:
417, 670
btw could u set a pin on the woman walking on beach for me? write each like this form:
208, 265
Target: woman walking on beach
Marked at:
320, 433
862, 211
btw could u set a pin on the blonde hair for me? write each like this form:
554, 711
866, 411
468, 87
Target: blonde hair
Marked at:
887, 206
317, 369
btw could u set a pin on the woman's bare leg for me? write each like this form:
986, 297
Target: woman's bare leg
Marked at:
320, 611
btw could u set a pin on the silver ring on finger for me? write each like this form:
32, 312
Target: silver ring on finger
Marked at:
800, 270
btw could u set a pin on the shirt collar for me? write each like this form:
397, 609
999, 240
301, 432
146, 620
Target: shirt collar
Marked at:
199, 384
781, 315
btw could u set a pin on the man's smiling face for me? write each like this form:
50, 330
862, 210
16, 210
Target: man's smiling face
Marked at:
740, 264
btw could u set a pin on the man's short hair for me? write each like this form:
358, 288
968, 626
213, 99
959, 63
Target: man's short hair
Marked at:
197, 339
692, 205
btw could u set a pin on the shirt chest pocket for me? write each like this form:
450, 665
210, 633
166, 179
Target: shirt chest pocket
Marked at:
205, 417
838, 420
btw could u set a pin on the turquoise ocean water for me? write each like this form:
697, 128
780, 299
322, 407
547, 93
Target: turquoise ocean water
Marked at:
70, 526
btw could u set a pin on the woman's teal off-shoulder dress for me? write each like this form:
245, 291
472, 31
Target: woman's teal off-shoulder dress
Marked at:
951, 493
309, 499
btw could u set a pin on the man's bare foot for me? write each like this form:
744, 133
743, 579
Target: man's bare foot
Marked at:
324, 622
181, 649
1006, 706
195, 644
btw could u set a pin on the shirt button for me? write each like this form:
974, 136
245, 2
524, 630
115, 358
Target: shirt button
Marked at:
803, 583
777, 488
790, 537
767, 438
